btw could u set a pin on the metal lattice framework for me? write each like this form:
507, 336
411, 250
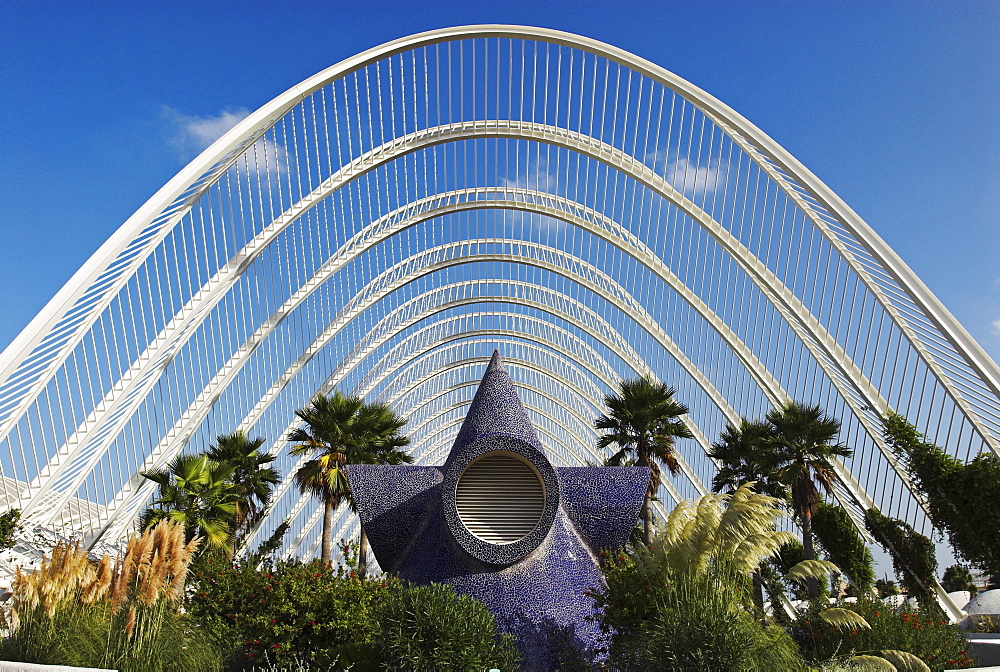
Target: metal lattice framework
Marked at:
384, 225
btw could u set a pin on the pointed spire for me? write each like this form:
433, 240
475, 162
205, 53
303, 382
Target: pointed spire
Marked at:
496, 410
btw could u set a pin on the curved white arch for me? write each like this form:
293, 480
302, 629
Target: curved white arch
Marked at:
824, 348
578, 392
939, 359
165, 451
811, 333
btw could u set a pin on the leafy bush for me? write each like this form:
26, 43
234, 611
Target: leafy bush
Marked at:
954, 493
912, 554
922, 633
312, 615
956, 578
9, 526
685, 603
432, 628
688, 621
843, 546
288, 614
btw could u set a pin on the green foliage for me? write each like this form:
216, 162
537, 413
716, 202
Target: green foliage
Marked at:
432, 628
688, 621
912, 554
746, 455
963, 499
251, 477
79, 636
803, 441
269, 546
811, 569
844, 546
957, 578
788, 556
777, 569
340, 431
685, 603
922, 633
289, 613
791, 455
315, 616
218, 494
886, 588
904, 661
986, 624
123, 615
9, 526
870, 663
197, 492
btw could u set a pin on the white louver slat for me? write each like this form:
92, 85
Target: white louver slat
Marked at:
500, 498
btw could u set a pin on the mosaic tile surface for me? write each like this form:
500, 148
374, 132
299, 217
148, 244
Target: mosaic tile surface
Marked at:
531, 585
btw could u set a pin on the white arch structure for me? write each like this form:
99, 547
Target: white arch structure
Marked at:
383, 225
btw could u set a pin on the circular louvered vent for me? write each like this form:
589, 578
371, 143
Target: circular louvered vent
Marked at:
500, 498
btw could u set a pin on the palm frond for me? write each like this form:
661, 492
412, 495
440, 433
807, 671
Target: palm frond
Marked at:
811, 569
844, 618
904, 661
871, 664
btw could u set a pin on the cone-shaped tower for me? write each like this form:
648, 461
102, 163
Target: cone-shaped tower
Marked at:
500, 524
496, 410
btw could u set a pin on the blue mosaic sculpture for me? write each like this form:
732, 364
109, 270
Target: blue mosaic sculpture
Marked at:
454, 523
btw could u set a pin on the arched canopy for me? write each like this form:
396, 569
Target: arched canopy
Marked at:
382, 226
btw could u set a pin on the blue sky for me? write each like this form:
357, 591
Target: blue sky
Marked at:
895, 106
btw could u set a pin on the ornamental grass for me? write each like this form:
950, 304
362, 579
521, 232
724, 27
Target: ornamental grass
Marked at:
122, 615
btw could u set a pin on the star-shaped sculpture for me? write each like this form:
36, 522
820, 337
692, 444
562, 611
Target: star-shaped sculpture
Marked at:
499, 523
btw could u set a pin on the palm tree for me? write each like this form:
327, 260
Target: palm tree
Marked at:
957, 577
253, 479
198, 492
745, 454
643, 419
378, 428
803, 441
339, 431
327, 432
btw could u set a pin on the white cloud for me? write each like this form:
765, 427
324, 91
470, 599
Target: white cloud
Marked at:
536, 176
191, 133
692, 179
686, 176
996, 327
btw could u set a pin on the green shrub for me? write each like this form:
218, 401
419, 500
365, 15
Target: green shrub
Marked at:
9, 526
920, 632
912, 554
432, 628
957, 577
844, 547
690, 621
954, 493
685, 601
288, 614
79, 636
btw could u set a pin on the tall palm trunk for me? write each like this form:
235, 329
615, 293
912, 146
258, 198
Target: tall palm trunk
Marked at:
363, 555
327, 526
809, 550
647, 503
